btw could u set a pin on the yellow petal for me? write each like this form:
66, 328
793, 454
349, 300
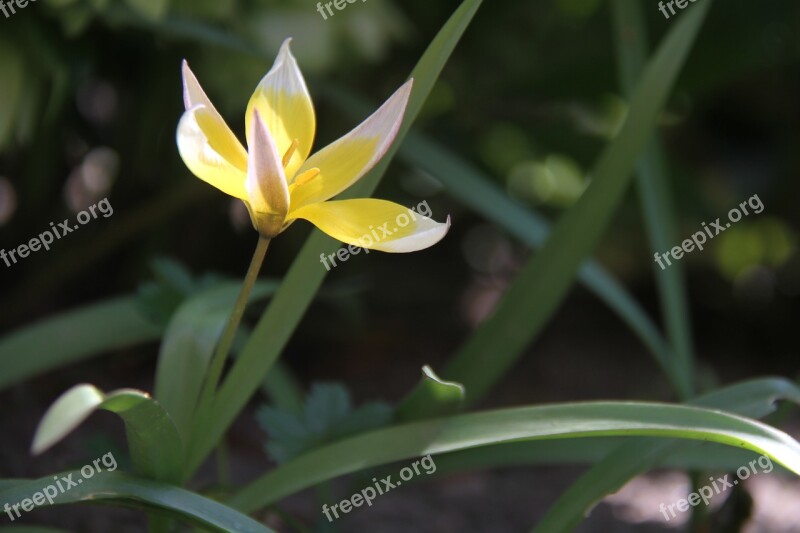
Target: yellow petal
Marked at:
223, 139
202, 146
285, 106
345, 161
266, 183
374, 224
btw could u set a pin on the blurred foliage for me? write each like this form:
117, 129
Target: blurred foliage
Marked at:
328, 416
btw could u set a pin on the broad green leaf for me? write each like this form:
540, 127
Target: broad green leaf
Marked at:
441, 397
188, 343
543, 282
753, 399
559, 421
656, 201
113, 487
73, 336
305, 276
155, 445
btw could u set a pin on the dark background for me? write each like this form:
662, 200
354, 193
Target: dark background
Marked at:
90, 97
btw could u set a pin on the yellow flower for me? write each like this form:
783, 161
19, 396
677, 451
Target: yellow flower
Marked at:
277, 179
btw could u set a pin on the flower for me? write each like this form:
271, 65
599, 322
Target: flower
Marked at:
278, 181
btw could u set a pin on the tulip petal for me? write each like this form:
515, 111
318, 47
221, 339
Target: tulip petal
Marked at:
374, 224
266, 183
284, 104
203, 148
346, 160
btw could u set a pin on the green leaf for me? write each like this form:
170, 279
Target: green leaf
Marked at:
656, 200
154, 442
328, 416
438, 397
559, 421
289, 436
753, 398
188, 343
544, 281
73, 336
282, 388
114, 487
327, 404
305, 276
153, 10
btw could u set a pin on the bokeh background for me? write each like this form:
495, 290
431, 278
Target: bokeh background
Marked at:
90, 97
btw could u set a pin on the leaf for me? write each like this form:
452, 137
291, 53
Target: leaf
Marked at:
753, 398
188, 343
327, 404
438, 397
73, 336
154, 442
558, 421
543, 282
656, 200
143, 494
282, 388
289, 436
153, 10
367, 417
305, 277
328, 416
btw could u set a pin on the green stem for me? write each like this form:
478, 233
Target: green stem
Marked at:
217, 363
226, 341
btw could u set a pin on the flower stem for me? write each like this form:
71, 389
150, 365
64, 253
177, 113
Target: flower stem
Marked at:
226, 341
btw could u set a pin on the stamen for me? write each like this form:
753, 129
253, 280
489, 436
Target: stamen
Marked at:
306, 176
290, 152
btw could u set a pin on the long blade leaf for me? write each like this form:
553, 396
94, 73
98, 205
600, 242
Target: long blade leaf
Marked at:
117, 487
543, 282
561, 421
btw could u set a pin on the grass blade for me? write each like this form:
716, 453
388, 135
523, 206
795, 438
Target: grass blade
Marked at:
654, 195
118, 487
543, 282
560, 421
753, 398
73, 336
